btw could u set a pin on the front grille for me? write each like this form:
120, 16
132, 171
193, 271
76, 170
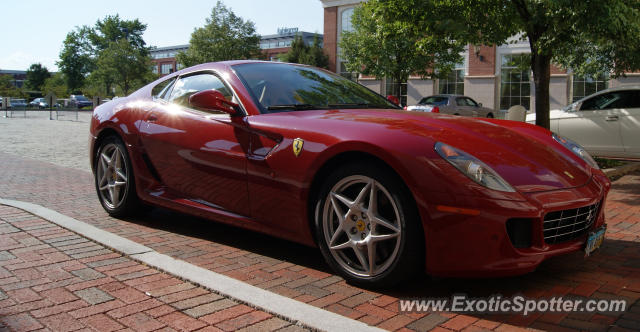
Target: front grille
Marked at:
565, 225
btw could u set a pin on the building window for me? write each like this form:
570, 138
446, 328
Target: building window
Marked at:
346, 73
586, 85
166, 68
346, 19
454, 83
515, 84
391, 88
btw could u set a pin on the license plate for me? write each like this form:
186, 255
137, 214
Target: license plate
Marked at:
594, 241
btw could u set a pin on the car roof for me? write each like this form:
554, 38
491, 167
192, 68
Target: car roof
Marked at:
618, 88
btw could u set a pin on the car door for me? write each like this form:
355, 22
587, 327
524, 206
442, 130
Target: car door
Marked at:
630, 124
198, 154
595, 125
474, 108
461, 107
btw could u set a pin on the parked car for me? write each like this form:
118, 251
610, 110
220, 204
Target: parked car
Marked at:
39, 103
452, 104
307, 155
80, 101
606, 123
17, 103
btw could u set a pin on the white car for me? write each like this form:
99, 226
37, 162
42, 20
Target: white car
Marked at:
606, 123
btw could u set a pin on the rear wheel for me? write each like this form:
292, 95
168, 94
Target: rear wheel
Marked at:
368, 228
490, 115
114, 178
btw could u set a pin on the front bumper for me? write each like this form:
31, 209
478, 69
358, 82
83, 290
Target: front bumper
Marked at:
479, 246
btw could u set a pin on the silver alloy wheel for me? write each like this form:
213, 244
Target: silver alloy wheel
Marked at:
112, 175
361, 226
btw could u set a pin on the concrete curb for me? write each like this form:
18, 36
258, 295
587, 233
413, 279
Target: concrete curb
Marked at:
622, 170
295, 311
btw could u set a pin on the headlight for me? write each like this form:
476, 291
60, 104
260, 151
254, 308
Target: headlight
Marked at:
473, 168
576, 149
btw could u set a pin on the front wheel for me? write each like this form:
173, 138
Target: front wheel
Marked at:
368, 228
114, 178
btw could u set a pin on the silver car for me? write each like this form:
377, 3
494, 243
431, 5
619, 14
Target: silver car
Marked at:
452, 104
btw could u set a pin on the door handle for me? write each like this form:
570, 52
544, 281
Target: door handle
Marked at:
612, 118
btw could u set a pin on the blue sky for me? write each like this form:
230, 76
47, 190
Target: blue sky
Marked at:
33, 30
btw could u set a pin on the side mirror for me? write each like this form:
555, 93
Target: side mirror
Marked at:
479, 104
212, 100
393, 99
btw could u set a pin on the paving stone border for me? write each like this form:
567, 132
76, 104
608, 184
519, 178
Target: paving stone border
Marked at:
285, 307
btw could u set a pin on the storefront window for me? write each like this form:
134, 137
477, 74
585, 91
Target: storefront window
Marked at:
392, 88
454, 83
586, 85
515, 83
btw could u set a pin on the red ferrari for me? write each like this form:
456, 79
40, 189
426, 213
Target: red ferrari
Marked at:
303, 154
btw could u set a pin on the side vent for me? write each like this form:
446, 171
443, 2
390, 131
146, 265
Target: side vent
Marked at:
150, 167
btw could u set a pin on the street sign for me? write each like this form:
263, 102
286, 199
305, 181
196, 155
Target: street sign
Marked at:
51, 99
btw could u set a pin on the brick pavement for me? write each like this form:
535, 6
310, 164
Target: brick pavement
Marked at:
54, 280
299, 272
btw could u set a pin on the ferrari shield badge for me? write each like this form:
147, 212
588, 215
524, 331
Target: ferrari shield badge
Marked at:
297, 146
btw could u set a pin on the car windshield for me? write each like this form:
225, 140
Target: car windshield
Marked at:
81, 98
434, 100
278, 87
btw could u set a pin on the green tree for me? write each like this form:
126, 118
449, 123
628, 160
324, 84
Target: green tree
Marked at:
395, 39
7, 89
316, 56
36, 76
588, 37
224, 37
297, 51
302, 53
76, 58
101, 52
55, 84
118, 45
125, 64
112, 28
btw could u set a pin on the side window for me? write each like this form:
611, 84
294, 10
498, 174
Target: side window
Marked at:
187, 86
461, 102
471, 102
628, 99
160, 90
596, 103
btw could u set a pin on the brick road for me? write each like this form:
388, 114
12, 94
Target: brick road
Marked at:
299, 272
54, 280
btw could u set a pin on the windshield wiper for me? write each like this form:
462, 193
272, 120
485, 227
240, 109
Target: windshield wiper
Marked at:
356, 105
292, 107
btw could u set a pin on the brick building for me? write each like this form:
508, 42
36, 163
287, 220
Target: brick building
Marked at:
164, 58
489, 74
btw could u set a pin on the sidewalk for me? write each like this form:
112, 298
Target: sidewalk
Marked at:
56, 280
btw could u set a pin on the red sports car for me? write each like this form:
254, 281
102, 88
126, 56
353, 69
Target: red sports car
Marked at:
303, 154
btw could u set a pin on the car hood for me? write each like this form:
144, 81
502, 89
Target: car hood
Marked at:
524, 155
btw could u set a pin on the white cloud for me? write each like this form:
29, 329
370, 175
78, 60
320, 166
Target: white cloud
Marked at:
21, 61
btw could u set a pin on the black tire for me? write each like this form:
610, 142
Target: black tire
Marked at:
127, 203
409, 259
490, 116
